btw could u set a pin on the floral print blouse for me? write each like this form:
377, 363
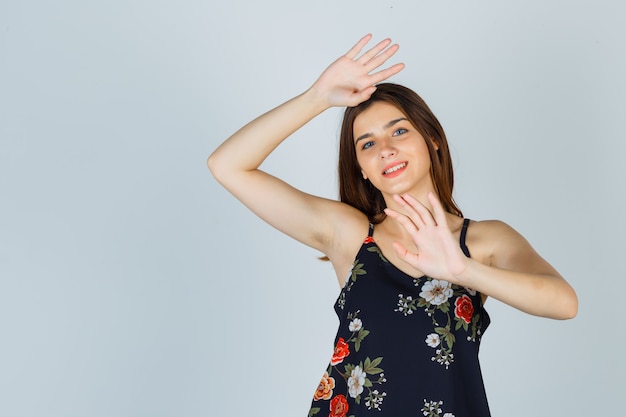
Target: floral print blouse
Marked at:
405, 346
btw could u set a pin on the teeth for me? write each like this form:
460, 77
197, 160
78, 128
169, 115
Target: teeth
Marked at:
394, 169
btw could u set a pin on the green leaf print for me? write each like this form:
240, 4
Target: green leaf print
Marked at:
314, 411
359, 338
445, 307
475, 320
450, 339
348, 368
357, 269
376, 249
447, 335
460, 323
370, 366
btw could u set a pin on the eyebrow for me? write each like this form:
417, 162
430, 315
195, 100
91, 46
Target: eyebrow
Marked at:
385, 127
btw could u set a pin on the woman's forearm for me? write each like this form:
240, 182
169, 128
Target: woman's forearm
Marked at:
246, 149
538, 294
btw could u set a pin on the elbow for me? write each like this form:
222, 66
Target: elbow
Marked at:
222, 166
213, 163
572, 309
569, 306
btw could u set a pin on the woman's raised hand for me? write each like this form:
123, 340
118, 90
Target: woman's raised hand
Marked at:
437, 253
350, 79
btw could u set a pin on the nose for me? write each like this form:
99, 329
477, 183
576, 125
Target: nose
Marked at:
386, 149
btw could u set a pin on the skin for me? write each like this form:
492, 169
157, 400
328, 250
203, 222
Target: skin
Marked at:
418, 236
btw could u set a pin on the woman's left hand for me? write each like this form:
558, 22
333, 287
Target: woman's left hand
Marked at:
437, 254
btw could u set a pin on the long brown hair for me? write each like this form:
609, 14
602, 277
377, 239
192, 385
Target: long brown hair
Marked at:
359, 192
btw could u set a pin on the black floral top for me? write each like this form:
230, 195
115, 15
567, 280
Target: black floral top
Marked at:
405, 346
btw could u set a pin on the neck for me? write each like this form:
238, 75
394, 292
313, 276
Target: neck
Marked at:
420, 195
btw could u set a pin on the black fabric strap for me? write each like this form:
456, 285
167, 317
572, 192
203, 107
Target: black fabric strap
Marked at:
462, 239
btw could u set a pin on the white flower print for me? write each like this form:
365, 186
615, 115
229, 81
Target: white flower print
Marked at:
355, 325
436, 291
443, 357
433, 409
342, 300
375, 399
433, 340
356, 382
406, 305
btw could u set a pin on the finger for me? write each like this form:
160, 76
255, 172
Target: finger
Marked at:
375, 61
386, 73
415, 217
415, 210
439, 212
356, 49
408, 224
425, 214
405, 255
372, 53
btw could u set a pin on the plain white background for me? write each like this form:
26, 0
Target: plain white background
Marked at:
131, 284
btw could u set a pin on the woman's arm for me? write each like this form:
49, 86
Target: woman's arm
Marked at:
512, 273
517, 275
309, 219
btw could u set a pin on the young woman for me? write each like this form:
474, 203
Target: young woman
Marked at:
414, 274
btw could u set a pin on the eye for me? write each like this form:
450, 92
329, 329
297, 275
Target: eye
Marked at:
399, 131
367, 144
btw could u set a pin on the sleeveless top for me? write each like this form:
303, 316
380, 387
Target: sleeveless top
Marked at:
405, 346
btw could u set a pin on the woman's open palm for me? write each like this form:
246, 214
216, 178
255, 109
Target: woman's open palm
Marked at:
350, 79
437, 253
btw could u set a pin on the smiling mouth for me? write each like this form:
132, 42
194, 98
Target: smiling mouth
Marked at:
394, 168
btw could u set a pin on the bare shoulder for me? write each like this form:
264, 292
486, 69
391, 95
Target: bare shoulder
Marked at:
493, 230
496, 243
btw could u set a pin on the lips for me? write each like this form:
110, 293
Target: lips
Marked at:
395, 168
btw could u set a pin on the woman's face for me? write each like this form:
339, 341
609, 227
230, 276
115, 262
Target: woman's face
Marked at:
391, 152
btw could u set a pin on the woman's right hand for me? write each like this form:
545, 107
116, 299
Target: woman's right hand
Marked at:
350, 80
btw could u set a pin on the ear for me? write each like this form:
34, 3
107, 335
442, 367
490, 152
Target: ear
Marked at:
364, 174
435, 143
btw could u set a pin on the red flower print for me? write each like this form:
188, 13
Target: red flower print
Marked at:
368, 239
338, 406
341, 351
464, 308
